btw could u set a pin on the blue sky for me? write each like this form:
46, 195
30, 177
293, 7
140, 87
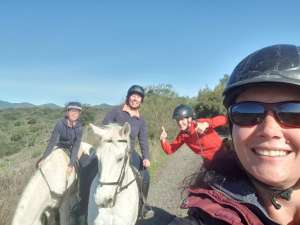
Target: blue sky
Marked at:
92, 51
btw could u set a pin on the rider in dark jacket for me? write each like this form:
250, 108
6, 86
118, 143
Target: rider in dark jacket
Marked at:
67, 134
128, 112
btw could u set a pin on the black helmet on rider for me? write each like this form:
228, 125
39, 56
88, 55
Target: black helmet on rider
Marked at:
182, 111
277, 64
73, 105
136, 89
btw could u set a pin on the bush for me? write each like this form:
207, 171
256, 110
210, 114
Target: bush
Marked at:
16, 137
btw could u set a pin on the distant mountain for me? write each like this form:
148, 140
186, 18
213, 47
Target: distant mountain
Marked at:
103, 106
6, 105
50, 106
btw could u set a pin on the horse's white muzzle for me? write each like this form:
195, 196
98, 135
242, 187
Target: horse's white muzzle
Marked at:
104, 196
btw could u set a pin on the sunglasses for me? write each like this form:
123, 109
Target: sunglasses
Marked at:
252, 113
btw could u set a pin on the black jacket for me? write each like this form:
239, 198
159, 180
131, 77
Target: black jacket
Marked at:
65, 137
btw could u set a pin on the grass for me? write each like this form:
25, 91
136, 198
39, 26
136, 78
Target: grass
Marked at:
13, 178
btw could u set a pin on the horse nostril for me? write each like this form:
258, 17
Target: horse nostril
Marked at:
106, 203
109, 202
101, 205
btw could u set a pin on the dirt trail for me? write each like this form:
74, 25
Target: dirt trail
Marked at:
165, 190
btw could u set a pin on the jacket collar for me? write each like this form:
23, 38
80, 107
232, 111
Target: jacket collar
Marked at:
65, 121
132, 113
241, 190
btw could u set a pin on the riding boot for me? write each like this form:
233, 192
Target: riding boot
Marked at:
88, 170
147, 211
137, 162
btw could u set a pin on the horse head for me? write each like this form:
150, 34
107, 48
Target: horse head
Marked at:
113, 152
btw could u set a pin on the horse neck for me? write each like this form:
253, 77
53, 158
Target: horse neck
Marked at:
129, 175
29, 207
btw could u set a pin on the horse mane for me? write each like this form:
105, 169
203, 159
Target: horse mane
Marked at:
110, 125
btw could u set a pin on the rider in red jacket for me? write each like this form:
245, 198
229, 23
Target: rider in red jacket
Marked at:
198, 134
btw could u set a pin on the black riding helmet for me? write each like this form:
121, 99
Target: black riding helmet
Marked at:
136, 89
277, 64
73, 105
182, 111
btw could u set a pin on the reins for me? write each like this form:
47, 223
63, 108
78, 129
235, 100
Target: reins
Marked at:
119, 182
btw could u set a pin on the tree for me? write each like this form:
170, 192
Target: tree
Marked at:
210, 102
159, 103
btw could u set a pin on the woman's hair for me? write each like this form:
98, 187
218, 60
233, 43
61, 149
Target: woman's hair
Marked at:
224, 164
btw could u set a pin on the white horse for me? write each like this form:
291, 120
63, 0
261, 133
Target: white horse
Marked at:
114, 195
49, 191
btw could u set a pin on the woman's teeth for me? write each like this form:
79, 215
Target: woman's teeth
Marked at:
271, 153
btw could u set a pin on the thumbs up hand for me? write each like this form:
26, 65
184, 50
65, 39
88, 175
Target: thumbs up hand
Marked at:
163, 135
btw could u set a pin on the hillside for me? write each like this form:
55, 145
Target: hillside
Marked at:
24, 133
10, 105
6, 105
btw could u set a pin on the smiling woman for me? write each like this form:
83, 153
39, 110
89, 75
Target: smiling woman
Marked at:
258, 182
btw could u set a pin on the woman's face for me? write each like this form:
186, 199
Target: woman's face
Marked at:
135, 101
73, 114
269, 151
183, 123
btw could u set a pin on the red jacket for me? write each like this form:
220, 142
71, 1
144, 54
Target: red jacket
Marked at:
206, 144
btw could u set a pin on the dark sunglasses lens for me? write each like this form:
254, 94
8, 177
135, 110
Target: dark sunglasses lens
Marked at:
246, 113
289, 113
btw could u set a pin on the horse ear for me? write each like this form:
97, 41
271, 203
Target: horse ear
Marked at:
125, 131
96, 130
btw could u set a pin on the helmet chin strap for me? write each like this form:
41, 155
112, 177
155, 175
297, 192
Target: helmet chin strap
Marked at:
275, 192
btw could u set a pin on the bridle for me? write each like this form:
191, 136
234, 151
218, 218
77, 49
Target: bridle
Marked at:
119, 182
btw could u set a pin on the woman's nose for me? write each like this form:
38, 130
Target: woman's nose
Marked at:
270, 127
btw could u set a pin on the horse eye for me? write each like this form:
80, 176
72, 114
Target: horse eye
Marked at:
124, 141
120, 159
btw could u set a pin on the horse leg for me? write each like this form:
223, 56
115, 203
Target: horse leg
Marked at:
65, 217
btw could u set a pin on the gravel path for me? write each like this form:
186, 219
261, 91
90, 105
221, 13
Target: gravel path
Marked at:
165, 192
